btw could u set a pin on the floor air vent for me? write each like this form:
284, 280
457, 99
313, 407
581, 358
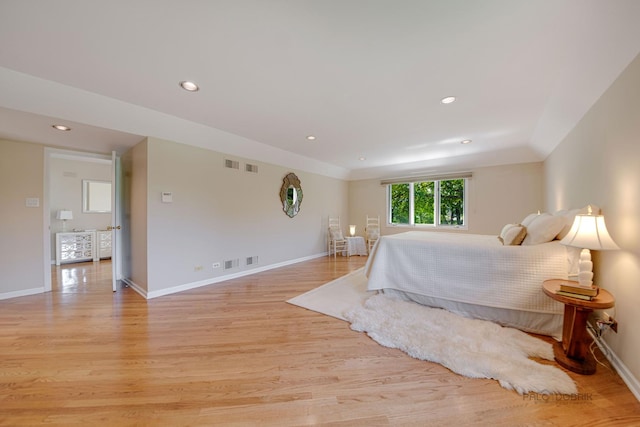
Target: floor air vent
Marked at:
231, 263
252, 260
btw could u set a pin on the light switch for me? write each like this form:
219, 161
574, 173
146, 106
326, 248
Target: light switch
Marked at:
32, 202
167, 197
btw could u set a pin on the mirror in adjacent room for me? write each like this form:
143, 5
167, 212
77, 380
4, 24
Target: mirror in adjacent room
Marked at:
96, 196
291, 194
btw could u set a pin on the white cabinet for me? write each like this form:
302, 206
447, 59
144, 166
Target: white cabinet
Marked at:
103, 240
75, 247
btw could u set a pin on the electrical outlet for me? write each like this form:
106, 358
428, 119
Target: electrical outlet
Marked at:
613, 323
215, 265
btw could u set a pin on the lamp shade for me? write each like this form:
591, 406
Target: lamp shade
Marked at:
590, 232
64, 214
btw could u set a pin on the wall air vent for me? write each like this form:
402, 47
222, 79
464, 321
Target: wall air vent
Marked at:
231, 263
251, 168
231, 164
252, 260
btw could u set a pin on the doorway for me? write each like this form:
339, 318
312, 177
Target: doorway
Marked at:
79, 245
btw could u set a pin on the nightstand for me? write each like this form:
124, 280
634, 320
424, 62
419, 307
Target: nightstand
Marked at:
356, 246
573, 352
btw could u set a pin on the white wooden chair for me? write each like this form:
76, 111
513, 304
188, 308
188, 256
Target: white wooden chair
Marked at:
372, 231
336, 241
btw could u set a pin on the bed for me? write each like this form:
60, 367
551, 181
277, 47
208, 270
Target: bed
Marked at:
477, 276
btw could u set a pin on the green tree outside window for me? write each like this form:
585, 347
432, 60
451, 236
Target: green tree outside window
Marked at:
452, 202
421, 203
424, 194
399, 203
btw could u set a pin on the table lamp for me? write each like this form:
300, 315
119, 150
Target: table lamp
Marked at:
352, 230
64, 215
589, 233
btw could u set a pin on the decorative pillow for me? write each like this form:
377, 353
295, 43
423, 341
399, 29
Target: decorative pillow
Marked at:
373, 233
336, 234
544, 228
512, 234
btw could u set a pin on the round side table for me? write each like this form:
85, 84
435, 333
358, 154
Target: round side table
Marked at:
573, 352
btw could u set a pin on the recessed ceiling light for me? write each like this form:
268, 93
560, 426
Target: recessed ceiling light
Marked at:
61, 127
465, 141
448, 99
311, 137
189, 86
362, 159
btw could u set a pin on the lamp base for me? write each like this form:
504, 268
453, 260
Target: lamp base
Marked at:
585, 269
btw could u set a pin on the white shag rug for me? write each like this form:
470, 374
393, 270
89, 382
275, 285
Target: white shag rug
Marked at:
473, 348
469, 347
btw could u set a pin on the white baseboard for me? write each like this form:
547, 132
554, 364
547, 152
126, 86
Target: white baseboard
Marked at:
629, 379
22, 293
213, 280
135, 287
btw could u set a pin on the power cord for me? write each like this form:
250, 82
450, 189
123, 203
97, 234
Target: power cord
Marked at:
598, 332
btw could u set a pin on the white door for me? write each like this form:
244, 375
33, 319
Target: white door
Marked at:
115, 220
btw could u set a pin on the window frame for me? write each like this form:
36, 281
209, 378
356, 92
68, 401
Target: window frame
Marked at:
437, 203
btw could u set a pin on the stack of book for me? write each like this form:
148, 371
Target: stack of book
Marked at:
571, 290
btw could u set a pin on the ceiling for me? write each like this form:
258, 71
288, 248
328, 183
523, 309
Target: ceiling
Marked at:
365, 77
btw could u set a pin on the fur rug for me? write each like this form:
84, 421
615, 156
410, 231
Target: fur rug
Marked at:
469, 347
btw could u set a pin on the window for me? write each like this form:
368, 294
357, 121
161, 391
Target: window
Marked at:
440, 203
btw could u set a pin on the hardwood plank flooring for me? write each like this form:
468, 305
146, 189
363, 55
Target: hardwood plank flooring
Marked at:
235, 354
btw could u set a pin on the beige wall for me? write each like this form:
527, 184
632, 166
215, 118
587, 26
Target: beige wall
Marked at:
21, 227
598, 163
220, 214
497, 196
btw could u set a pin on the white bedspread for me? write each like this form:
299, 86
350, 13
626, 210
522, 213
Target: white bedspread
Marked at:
469, 268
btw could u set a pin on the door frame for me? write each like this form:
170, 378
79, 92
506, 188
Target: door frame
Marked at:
50, 152
116, 215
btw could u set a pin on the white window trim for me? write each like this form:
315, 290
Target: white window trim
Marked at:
436, 196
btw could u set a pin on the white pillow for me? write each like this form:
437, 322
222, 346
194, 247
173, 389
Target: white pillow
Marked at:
373, 233
567, 217
512, 234
336, 234
529, 219
544, 228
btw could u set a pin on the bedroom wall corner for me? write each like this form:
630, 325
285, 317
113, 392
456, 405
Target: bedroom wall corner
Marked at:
504, 194
597, 163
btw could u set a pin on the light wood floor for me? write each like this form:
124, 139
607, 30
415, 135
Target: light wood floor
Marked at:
235, 353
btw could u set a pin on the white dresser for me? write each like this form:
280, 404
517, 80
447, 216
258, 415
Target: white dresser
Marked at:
75, 246
103, 240
78, 246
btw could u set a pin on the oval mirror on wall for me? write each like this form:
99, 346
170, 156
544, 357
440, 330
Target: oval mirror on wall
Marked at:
291, 194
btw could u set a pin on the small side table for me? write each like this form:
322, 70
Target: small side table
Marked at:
573, 352
356, 246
